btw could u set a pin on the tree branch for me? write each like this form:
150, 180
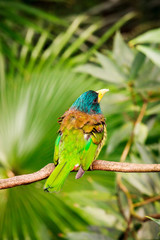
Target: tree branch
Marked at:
27, 178
96, 165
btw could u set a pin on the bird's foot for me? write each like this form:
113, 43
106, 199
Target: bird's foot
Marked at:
80, 173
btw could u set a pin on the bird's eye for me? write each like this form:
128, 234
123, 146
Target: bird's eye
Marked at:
95, 100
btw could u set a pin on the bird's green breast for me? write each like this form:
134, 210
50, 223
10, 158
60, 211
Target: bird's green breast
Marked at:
81, 136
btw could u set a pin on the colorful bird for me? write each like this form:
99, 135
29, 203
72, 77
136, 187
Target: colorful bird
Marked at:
80, 138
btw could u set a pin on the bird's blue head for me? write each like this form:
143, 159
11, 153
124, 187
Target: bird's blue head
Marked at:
88, 102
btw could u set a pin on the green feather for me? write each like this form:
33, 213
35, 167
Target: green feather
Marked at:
80, 139
71, 149
57, 178
88, 154
56, 149
71, 145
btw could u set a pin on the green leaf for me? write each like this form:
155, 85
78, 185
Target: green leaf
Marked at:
21, 21
144, 153
154, 220
82, 38
10, 55
31, 10
148, 77
113, 29
97, 72
152, 36
85, 236
152, 53
35, 55
119, 135
61, 41
136, 65
99, 216
111, 69
82, 58
122, 53
25, 48
139, 183
11, 33
2, 70
141, 132
153, 110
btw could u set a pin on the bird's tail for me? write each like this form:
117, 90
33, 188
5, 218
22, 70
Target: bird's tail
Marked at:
55, 181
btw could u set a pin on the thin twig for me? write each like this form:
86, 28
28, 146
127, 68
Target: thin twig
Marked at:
124, 155
120, 204
149, 200
126, 233
145, 218
141, 114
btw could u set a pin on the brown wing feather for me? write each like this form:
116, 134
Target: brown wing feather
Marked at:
93, 125
101, 143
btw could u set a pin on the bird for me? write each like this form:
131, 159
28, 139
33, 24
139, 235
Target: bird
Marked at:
81, 136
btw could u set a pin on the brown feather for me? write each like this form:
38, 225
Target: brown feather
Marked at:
92, 125
77, 119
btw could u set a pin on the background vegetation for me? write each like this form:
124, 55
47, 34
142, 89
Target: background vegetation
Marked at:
51, 52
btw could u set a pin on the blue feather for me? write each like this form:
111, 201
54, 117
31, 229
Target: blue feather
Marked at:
88, 103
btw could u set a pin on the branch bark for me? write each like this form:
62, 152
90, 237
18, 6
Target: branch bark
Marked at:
27, 178
96, 165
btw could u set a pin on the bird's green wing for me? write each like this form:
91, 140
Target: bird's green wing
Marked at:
88, 154
95, 137
102, 138
56, 149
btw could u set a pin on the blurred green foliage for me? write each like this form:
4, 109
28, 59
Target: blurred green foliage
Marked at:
46, 62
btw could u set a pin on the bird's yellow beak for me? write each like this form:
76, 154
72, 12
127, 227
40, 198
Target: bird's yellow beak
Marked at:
101, 93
